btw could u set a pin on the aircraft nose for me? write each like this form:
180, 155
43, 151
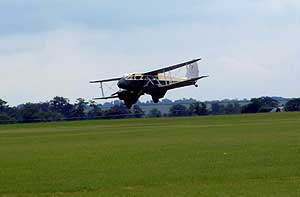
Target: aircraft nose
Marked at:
122, 83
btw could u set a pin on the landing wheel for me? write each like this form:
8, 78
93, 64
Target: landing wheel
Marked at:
128, 104
155, 100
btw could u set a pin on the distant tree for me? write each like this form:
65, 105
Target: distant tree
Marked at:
198, 109
229, 109
293, 105
154, 113
95, 110
107, 104
117, 111
259, 105
32, 112
29, 112
117, 102
6, 113
61, 105
267, 104
49, 116
13, 113
237, 108
4, 119
166, 101
217, 109
138, 112
79, 108
232, 108
252, 107
178, 110
3, 106
46, 114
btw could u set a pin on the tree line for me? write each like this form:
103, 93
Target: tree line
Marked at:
60, 108
255, 105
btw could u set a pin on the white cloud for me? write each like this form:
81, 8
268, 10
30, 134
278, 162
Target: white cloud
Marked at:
245, 54
242, 61
279, 5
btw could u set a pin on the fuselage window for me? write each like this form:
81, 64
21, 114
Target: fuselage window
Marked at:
132, 77
138, 77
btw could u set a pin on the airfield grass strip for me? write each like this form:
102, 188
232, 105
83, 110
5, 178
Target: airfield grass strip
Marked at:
239, 155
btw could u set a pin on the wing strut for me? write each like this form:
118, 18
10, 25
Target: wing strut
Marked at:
101, 83
102, 91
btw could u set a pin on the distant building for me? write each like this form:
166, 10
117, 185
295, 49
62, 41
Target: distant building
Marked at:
277, 109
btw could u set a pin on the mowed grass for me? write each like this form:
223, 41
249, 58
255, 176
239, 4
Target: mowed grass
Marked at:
243, 155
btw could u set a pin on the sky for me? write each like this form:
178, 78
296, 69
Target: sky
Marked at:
48, 48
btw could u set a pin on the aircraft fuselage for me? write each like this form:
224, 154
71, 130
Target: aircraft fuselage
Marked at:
136, 82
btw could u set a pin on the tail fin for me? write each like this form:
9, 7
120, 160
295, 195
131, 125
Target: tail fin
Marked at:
192, 71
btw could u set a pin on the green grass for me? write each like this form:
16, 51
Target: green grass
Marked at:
246, 155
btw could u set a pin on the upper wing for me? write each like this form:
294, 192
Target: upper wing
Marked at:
166, 69
189, 82
106, 80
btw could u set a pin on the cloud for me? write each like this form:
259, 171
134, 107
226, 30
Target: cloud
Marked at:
279, 5
242, 61
248, 48
35, 16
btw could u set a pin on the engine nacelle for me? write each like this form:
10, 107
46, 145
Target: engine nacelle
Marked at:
129, 97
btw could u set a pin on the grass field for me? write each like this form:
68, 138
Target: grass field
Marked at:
247, 155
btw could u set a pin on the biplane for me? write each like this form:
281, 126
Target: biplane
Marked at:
155, 83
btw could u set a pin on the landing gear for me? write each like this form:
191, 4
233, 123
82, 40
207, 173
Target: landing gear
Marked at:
196, 85
129, 98
128, 104
157, 95
155, 100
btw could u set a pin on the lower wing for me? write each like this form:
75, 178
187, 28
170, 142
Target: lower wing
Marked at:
105, 98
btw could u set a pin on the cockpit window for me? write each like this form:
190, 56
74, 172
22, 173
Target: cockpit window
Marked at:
135, 77
130, 77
